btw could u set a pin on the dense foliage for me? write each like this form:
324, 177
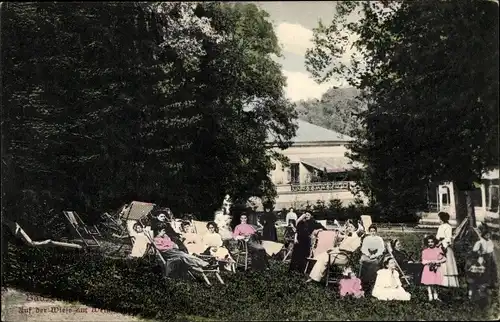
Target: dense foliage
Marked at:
337, 110
134, 287
430, 74
171, 103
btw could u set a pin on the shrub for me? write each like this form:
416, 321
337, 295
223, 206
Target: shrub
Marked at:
136, 287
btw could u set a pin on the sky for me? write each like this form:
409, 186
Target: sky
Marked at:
293, 23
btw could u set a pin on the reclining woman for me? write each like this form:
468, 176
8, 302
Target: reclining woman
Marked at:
337, 255
165, 219
177, 262
406, 261
246, 232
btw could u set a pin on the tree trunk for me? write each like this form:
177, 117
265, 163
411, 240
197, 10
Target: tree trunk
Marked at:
470, 209
460, 204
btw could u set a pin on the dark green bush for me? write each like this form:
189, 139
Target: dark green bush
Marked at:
136, 287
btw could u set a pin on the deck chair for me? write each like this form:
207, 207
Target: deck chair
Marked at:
82, 231
403, 274
214, 269
325, 240
19, 232
342, 259
137, 211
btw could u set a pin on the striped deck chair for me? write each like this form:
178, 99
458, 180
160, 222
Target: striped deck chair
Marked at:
325, 240
81, 231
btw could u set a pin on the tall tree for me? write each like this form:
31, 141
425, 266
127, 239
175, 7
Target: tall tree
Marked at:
337, 110
430, 74
135, 103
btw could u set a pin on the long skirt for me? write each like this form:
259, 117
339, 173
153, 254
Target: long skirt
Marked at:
491, 270
449, 270
368, 271
269, 233
300, 252
178, 263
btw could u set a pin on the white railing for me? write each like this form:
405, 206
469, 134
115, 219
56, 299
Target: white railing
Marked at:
322, 186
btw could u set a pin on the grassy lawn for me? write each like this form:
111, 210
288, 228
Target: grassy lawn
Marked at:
135, 288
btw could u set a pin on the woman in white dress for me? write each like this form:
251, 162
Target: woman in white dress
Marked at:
388, 286
444, 235
212, 242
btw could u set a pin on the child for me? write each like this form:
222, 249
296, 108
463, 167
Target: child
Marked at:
484, 247
476, 279
432, 258
351, 285
388, 286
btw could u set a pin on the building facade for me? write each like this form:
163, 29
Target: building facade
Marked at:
484, 197
318, 169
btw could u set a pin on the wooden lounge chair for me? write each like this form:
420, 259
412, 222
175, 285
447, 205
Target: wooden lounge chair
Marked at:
19, 232
212, 269
81, 231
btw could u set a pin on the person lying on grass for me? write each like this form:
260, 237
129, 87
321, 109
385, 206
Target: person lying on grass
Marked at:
388, 285
177, 262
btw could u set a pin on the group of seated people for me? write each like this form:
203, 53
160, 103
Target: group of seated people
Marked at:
183, 248
384, 265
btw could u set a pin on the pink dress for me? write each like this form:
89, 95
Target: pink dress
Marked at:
429, 277
351, 286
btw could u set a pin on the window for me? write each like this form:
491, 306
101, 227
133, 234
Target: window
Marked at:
294, 173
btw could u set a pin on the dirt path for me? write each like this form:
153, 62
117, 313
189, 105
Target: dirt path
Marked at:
22, 306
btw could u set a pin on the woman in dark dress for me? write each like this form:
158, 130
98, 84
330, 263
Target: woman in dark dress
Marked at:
302, 245
268, 221
406, 261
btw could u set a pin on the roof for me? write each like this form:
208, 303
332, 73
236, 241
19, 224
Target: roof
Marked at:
310, 133
330, 165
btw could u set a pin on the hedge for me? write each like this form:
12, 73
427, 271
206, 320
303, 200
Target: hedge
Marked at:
136, 287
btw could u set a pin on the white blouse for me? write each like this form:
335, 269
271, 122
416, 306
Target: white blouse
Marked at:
446, 232
212, 240
483, 246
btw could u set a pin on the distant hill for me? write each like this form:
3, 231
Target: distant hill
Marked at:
335, 110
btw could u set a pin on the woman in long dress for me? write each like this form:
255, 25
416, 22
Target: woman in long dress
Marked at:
306, 225
444, 236
388, 286
268, 220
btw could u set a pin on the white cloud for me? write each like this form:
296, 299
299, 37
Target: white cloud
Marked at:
301, 86
294, 38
